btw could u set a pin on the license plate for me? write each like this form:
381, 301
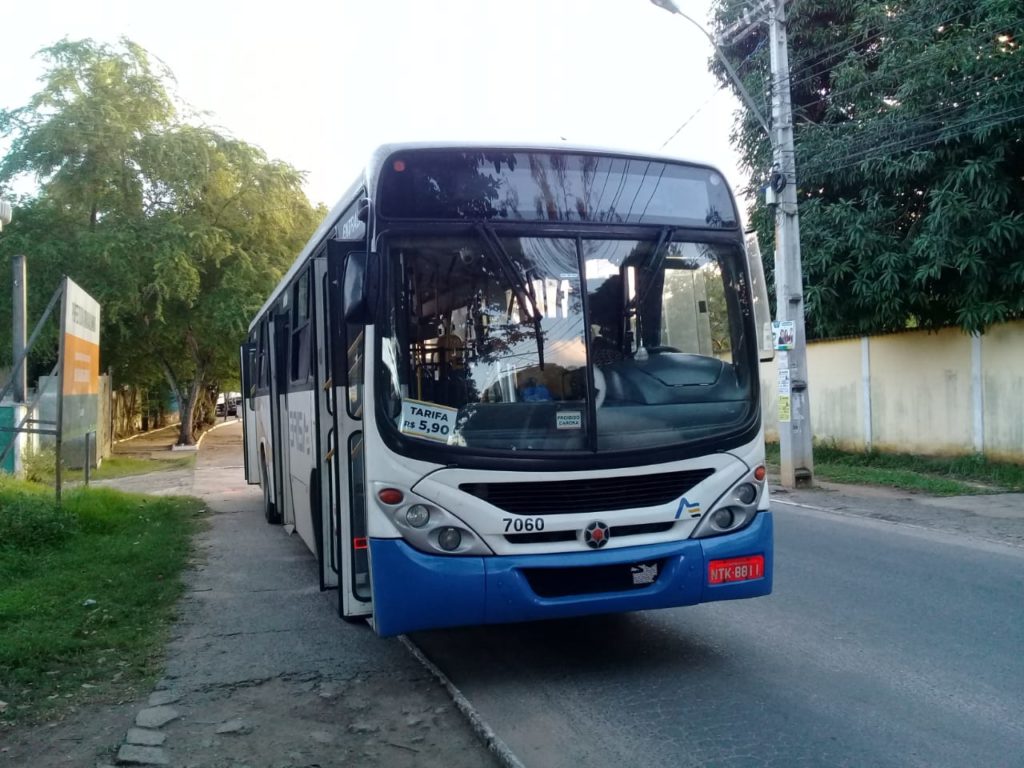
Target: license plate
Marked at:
736, 569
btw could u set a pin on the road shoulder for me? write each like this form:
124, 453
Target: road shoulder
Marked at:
995, 518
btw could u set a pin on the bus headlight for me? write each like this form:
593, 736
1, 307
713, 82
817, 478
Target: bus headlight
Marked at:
417, 515
723, 518
746, 493
736, 508
449, 539
430, 528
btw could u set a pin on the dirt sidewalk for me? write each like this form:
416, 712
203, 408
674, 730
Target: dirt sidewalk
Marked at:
260, 670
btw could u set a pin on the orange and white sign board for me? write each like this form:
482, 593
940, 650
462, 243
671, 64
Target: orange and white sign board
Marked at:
80, 327
78, 404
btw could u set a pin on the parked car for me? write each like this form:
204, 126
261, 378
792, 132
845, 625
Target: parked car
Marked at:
233, 402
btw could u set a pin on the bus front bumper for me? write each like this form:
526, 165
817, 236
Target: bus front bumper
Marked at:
413, 590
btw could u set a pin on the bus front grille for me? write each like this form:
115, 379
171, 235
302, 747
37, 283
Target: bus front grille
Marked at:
616, 531
599, 494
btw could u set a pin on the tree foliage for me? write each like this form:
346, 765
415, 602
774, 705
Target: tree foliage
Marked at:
177, 229
909, 122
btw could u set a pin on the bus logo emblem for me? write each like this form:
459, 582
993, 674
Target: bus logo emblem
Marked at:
596, 535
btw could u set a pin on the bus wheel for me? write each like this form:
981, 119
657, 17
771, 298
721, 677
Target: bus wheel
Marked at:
269, 508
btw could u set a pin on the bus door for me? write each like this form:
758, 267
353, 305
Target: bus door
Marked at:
302, 465
247, 412
279, 412
325, 516
342, 436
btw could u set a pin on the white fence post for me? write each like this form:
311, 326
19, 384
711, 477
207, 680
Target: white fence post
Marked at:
865, 385
977, 394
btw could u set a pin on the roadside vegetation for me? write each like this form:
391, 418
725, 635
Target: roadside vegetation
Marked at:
87, 592
936, 475
178, 229
907, 122
39, 467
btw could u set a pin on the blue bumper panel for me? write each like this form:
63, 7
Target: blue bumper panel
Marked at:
755, 540
414, 591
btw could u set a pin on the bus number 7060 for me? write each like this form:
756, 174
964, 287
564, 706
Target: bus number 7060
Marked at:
521, 524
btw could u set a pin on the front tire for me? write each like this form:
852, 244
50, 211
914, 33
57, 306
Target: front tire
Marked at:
270, 512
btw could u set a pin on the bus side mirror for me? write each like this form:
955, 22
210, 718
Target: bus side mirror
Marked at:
759, 296
359, 289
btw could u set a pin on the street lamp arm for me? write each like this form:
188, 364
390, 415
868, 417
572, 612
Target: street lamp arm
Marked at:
671, 7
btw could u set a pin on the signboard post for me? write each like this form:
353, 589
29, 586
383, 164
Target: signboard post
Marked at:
79, 374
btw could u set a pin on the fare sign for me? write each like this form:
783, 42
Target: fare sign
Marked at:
428, 420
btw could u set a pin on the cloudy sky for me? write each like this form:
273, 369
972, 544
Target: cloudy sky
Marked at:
320, 84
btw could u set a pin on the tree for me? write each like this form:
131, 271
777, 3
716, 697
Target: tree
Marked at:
909, 121
179, 231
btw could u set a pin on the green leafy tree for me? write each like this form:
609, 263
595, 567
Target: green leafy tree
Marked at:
909, 122
178, 230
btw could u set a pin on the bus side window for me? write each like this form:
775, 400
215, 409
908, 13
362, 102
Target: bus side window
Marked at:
262, 357
354, 337
251, 369
301, 336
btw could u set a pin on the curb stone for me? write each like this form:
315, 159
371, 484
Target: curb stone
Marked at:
129, 754
235, 725
156, 717
160, 698
145, 737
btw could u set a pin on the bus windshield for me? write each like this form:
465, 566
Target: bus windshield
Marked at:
564, 344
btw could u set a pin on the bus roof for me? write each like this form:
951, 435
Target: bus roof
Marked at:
371, 173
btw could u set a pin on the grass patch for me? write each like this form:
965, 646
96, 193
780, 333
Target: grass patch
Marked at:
123, 466
40, 467
936, 475
87, 593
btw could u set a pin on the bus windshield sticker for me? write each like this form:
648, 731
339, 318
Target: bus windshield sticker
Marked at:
428, 420
569, 420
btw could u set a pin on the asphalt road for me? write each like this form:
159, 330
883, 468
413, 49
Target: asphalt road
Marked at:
883, 645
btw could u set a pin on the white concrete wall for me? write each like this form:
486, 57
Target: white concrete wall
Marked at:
917, 392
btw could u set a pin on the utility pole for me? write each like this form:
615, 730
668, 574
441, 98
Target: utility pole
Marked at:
18, 327
797, 459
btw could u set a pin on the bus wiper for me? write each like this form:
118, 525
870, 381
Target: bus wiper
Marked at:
653, 265
655, 262
522, 288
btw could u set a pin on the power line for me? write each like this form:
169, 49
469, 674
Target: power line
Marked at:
884, 127
887, 77
963, 93
943, 134
830, 57
711, 98
696, 112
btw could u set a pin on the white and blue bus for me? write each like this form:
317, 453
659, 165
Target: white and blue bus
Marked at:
508, 383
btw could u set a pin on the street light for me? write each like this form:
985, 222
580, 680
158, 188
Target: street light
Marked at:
671, 7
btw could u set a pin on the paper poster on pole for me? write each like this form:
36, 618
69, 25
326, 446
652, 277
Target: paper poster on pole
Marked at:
784, 381
784, 334
785, 413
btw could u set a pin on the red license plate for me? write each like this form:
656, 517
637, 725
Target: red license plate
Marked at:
736, 569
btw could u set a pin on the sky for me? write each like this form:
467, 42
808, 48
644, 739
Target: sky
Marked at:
320, 84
